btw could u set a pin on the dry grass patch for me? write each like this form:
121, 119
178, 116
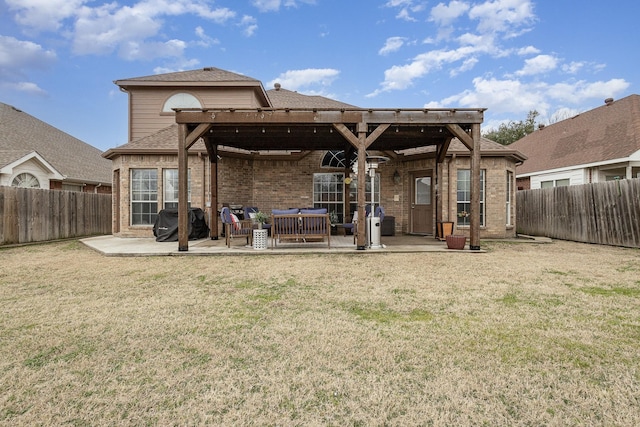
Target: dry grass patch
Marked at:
523, 335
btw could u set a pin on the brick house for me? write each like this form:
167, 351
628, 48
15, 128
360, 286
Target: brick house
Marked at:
37, 155
415, 190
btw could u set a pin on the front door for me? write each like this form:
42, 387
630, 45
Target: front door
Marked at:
421, 212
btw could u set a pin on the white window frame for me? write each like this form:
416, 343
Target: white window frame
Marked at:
328, 192
144, 195
463, 199
508, 197
170, 188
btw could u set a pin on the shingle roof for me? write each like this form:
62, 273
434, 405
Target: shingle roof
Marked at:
282, 98
207, 74
487, 148
21, 133
605, 133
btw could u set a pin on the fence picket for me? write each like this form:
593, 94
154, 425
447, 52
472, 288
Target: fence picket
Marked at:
34, 215
602, 213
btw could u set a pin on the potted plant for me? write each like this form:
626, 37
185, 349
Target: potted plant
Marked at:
261, 218
333, 219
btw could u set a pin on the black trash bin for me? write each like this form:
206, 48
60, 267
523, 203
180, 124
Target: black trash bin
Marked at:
165, 228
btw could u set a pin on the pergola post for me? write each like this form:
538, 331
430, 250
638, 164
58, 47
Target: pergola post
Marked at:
183, 189
362, 175
474, 223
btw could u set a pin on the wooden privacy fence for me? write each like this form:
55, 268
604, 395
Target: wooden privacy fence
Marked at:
34, 215
605, 213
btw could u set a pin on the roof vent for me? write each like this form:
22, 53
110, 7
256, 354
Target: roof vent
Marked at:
277, 86
207, 69
541, 126
608, 101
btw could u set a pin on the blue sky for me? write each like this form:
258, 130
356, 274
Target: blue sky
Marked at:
59, 58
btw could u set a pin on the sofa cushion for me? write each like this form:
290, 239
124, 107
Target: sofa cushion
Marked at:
285, 211
314, 211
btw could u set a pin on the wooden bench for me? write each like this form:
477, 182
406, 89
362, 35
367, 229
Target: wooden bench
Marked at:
300, 227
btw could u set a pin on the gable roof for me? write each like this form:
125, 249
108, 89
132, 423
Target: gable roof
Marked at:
21, 134
203, 77
165, 140
610, 132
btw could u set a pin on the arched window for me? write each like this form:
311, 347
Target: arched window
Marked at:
336, 159
180, 100
25, 180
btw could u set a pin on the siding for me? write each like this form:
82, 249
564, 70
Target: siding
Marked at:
146, 105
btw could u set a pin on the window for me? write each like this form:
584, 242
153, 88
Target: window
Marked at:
144, 196
328, 192
25, 180
336, 159
464, 197
72, 187
557, 183
180, 100
353, 192
170, 186
508, 195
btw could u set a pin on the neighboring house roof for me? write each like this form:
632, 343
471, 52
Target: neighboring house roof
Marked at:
607, 133
21, 135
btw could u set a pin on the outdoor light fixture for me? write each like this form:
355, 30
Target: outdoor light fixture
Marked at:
396, 177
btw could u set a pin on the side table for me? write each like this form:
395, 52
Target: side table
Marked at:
259, 238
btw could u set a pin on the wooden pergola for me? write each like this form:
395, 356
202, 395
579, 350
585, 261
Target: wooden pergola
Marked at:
352, 130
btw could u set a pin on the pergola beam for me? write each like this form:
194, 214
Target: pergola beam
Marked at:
311, 117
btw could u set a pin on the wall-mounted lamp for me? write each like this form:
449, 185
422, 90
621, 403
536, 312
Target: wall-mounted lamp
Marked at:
396, 177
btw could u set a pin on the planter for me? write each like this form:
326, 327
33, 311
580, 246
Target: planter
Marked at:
456, 241
444, 229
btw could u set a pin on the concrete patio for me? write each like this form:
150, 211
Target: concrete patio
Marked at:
119, 246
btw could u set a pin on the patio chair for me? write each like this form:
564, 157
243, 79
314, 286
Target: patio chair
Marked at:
353, 226
233, 227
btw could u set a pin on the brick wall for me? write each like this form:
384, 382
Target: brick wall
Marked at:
278, 184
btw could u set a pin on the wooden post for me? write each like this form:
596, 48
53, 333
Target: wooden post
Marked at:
474, 238
213, 187
362, 175
183, 189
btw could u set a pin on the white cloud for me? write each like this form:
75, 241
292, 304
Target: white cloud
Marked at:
444, 15
407, 8
20, 54
528, 50
500, 96
274, 5
43, 15
17, 59
205, 40
391, 45
297, 79
28, 88
538, 65
516, 97
129, 30
504, 16
249, 24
